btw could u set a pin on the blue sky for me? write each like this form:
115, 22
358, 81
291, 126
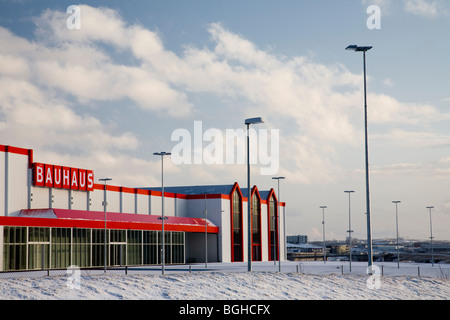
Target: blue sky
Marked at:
110, 94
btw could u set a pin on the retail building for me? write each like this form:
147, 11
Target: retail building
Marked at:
52, 216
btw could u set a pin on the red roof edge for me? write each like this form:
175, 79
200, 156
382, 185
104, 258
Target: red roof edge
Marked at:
96, 219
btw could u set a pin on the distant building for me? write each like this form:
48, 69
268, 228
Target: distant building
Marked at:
338, 248
298, 239
305, 248
303, 251
437, 246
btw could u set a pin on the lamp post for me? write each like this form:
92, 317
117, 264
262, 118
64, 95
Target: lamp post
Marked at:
349, 229
104, 210
323, 232
284, 223
248, 122
431, 237
396, 224
369, 233
162, 154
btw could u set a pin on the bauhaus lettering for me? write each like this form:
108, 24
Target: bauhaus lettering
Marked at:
51, 176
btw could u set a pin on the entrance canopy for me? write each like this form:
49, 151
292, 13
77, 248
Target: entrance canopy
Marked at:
64, 218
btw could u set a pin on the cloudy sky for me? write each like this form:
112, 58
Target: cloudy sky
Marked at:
106, 93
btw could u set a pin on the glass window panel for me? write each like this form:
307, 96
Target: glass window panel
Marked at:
237, 226
38, 256
6, 232
14, 248
237, 253
150, 254
32, 234
45, 232
256, 227
237, 237
61, 249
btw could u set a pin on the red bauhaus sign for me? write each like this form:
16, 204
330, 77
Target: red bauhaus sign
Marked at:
47, 175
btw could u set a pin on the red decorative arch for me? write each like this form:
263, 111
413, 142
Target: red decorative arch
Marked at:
255, 202
236, 224
272, 230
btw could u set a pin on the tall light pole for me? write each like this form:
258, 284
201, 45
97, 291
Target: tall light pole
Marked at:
323, 232
104, 210
349, 229
431, 237
284, 224
396, 224
248, 122
369, 232
162, 154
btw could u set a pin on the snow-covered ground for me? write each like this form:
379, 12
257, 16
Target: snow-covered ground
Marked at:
303, 281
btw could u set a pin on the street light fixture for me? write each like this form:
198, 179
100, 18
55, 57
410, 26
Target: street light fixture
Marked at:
323, 232
104, 210
431, 237
349, 229
284, 224
248, 122
162, 154
396, 223
364, 49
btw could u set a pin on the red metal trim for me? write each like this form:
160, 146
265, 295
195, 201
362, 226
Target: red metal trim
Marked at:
236, 188
202, 196
16, 150
111, 188
98, 186
143, 191
95, 220
277, 242
127, 190
253, 191
30, 158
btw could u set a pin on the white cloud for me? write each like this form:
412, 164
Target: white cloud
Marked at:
385, 109
414, 171
388, 82
383, 4
12, 66
46, 78
421, 7
97, 24
424, 8
75, 61
28, 114
413, 139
